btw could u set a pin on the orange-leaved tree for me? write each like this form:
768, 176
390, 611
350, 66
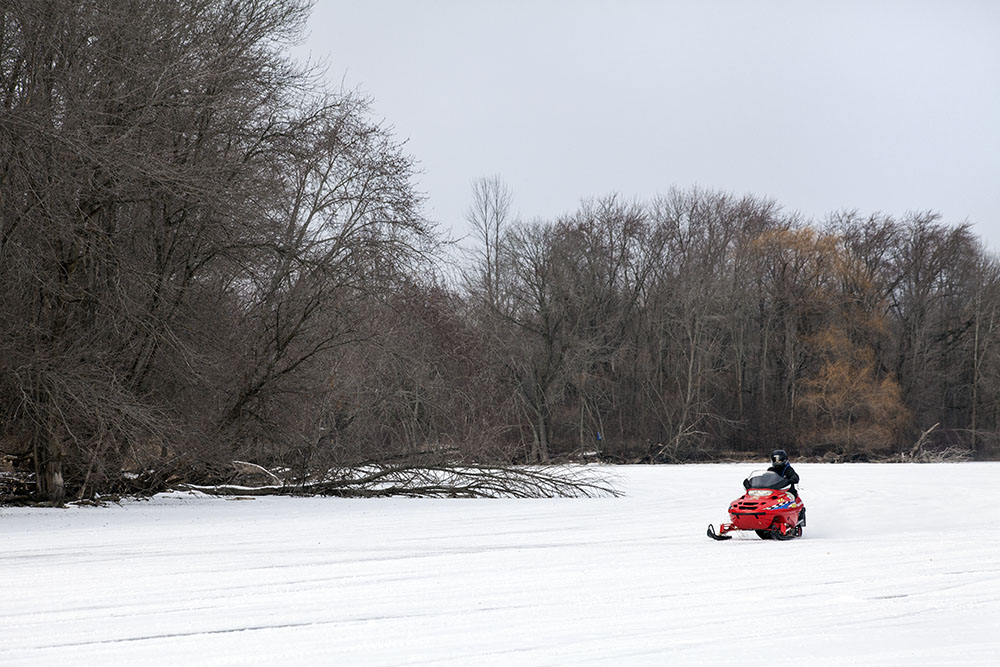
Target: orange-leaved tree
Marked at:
849, 406
851, 403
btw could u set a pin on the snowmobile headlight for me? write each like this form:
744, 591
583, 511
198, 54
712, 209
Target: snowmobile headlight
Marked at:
759, 492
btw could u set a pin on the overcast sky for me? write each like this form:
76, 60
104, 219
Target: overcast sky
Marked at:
875, 106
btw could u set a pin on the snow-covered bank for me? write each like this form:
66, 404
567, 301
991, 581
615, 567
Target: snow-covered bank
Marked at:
900, 564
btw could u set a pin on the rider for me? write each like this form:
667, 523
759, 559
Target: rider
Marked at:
780, 465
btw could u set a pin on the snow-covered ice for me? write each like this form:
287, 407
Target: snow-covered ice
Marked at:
900, 564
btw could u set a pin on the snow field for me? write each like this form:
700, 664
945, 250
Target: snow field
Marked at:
900, 564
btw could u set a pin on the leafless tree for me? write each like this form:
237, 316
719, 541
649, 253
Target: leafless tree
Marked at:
490, 217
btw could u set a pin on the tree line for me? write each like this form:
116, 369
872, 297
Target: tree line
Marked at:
207, 257
702, 325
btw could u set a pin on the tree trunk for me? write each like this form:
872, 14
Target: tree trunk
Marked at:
541, 438
48, 464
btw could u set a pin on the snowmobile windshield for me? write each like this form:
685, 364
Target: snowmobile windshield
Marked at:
767, 480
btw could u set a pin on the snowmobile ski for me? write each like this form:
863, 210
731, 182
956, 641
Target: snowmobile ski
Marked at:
714, 536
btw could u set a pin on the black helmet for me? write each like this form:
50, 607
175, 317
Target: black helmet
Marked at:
779, 457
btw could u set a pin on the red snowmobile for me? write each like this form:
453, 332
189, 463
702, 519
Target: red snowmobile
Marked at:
769, 508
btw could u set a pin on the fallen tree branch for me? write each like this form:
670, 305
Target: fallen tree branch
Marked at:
468, 481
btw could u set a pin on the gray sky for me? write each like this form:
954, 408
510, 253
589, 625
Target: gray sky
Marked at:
878, 106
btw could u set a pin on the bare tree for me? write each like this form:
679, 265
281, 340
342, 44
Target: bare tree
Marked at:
984, 354
937, 271
490, 217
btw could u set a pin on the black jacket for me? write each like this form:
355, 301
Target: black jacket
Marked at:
788, 472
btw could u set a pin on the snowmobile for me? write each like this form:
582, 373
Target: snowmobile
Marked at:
769, 508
